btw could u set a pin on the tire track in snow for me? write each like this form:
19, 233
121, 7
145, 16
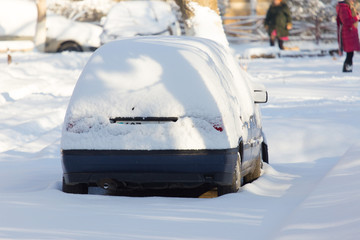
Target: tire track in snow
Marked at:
331, 208
283, 188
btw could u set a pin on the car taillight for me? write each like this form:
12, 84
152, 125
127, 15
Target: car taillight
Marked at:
218, 125
82, 125
75, 128
69, 127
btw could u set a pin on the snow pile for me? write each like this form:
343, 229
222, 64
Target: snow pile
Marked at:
138, 18
261, 52
85, 10
333, 196
13, 25
207, 24
39, 85
293, 49
19, 23
310, 190
306, 96
13, 46
189, 78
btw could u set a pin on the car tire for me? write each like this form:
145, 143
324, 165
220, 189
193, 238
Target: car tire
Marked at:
264, 153
70, 46
236, 181
80, 188
255, 174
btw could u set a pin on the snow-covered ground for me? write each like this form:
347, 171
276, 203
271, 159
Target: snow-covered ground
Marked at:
309, 191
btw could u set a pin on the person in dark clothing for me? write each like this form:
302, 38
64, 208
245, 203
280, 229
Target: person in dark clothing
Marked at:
278, 22
348, 36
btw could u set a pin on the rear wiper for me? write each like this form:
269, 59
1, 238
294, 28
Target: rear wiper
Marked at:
140, 120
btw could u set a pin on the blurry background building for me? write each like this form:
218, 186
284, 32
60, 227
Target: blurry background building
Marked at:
247, 7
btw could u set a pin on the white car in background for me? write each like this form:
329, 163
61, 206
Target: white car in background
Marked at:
139, 18
163, 112
67, 35
18, 26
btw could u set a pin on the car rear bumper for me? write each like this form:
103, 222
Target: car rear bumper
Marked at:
144, 169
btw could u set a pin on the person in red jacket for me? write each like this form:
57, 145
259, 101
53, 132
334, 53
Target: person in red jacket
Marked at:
348, 36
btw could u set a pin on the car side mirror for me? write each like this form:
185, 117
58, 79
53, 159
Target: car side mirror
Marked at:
260, 96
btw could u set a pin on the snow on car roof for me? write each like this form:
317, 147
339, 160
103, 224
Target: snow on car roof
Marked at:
157, 77
129, 18
188, 78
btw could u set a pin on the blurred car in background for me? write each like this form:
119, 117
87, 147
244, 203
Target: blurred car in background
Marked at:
139, 18
18, 27
67, 35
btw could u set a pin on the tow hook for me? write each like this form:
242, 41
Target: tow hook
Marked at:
108, 184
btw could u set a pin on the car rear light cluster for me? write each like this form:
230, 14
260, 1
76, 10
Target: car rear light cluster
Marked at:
77, 128
73, 127
217, 124
218, 127
83, 124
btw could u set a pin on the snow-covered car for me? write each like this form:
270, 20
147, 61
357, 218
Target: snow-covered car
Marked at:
139, 18
163, 112
18, 25
67, 35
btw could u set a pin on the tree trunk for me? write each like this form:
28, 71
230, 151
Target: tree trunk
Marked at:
40, 35
187, 11
209, 25
253, 4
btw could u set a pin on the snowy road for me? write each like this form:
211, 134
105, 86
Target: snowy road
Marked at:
310, 190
